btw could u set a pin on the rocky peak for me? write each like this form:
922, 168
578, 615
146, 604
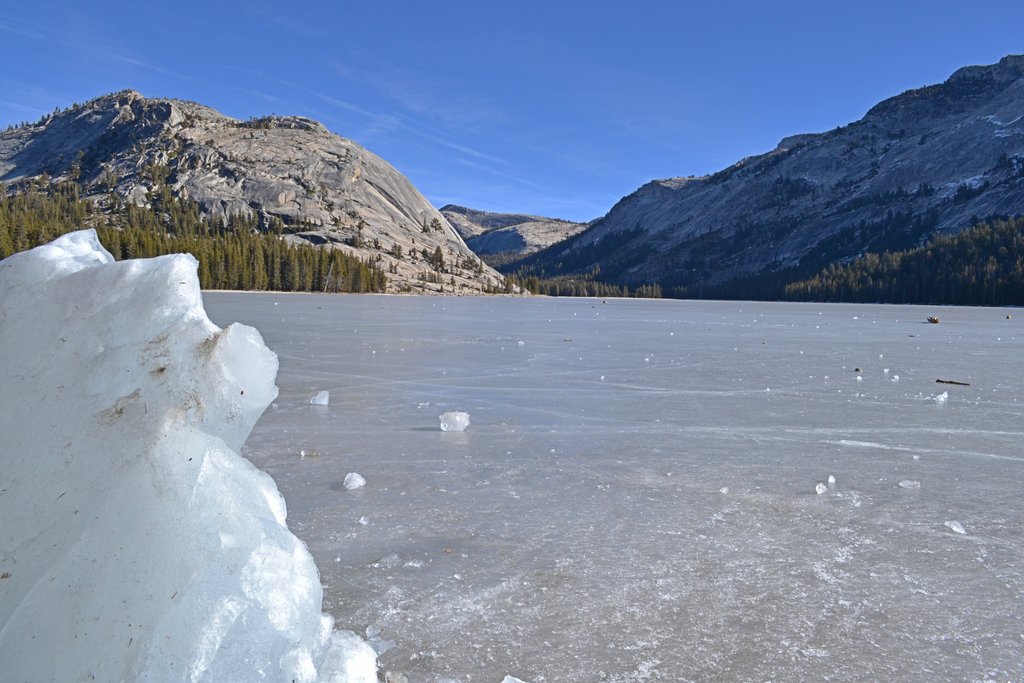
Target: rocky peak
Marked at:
1006, 70
966, 88
289, 171
934, 159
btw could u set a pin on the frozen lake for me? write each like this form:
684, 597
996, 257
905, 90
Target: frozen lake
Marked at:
635, 497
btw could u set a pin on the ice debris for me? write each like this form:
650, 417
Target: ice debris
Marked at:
909, 484
321, 399
455, 421
820, 488
189, 572
831, 481
942, 398
955, 526
354, 480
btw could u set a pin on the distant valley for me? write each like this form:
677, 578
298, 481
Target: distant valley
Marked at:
507, 235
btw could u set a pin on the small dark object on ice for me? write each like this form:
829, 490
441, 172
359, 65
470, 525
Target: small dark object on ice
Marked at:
932, 319
953, 381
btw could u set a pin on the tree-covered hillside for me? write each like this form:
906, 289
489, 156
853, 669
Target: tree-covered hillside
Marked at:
232, 254
982, 266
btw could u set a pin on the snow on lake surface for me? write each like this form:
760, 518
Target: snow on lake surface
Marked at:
635, 498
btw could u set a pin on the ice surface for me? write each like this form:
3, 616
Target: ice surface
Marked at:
455, 421
577, 532
322, 398
354, 480
136, 543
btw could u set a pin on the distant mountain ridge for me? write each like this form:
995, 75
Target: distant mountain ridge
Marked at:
931, 160
289, 171
508, 233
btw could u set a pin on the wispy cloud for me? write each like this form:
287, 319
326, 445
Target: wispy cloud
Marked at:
20, 107
322, 96
289, 24
143, 64
501, 174
463, 149
261, 95
442, 101
21, 31
376, 122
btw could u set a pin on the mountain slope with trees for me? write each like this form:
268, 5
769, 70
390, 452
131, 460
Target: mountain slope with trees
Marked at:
982, 266
936, 159
231, 253
280, 174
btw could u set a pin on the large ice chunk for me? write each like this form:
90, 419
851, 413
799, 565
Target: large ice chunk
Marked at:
354, 480
455, 421
955, 526
136, 543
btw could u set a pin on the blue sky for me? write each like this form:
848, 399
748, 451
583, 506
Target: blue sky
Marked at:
553, 108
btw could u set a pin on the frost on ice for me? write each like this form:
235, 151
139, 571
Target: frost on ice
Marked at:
136, 543
455, 421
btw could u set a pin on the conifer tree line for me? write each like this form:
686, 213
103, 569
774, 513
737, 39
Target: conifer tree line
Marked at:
232, 253
982, 266
585, 285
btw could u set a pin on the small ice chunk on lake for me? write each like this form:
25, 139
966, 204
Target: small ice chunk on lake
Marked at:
354, 480
512, 679
831, 480
909, 484
941, 398
455, 421
321, 399
820, 488
955, 526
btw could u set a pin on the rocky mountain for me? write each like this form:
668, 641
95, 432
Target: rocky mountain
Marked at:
508, 233
290, 171
931, 160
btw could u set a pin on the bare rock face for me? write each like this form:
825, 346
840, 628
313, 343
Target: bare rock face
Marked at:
491, 233
935, 159
322, 187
